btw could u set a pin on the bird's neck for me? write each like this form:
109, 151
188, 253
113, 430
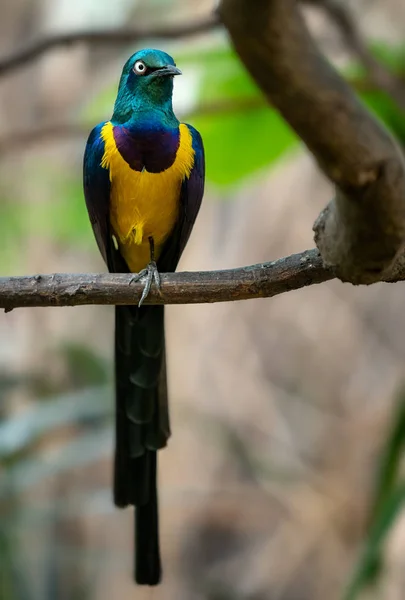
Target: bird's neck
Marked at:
132, 110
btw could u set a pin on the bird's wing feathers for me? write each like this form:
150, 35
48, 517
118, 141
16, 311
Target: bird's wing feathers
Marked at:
192, 191
97, 192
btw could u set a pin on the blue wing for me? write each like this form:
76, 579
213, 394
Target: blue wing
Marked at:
192, 191
96, 182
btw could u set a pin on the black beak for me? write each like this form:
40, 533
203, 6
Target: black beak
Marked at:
168, 71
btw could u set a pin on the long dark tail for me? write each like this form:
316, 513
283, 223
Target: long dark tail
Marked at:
142, 427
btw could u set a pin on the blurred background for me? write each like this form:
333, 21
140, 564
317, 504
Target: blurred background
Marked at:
287, 413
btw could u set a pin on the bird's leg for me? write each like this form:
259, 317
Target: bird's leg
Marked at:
150, 272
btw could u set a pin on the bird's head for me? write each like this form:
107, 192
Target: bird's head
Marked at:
146, 83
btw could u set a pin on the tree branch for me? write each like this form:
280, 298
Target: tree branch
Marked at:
378, 74
264, 280
362, 230
257, 281
112, 37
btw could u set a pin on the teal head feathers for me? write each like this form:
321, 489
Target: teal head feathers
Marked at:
146, 84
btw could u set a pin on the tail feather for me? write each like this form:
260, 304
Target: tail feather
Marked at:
148, 569
142, 427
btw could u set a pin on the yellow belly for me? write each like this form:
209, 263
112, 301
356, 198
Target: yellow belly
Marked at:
144, 204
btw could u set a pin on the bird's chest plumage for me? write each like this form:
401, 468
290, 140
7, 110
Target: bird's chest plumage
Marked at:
146, 172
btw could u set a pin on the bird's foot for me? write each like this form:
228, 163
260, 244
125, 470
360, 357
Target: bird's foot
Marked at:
150, 274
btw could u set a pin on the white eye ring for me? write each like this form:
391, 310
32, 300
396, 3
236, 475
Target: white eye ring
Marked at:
139, 67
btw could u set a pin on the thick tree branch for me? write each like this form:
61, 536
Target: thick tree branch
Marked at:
112, 37
264, 280
378, 74
257, 281
362, 230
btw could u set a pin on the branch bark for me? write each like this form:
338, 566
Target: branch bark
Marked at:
263, 280
378, 74
256, 281
362, 231
112, 37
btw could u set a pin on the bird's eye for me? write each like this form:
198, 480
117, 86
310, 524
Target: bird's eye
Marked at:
140, 67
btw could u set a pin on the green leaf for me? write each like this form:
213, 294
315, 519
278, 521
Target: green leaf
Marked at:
390, 465
370, 564
238, 144
392, 56
386, 109
388, 503
247, 135
378, 101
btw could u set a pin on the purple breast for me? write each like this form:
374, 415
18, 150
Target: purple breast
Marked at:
154, 149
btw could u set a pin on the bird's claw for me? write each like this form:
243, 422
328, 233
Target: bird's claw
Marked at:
151, 274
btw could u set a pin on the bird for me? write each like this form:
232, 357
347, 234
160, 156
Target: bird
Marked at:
143, 177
